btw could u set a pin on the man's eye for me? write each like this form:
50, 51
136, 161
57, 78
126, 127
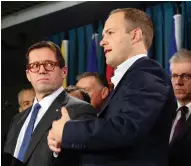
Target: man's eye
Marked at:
34, 65
110, 32
187, 76
174, 76
26, 103
49, 64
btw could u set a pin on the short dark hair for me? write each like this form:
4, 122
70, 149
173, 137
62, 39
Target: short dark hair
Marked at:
73, 88
52, 46
100, 78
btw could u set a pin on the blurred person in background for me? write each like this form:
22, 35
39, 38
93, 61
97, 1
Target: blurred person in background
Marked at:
96, 86
180, 138
78, 93
25, 98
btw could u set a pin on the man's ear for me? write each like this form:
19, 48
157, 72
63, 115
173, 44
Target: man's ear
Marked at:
28, 75
136, 35
20, 109
104, 92
64, 72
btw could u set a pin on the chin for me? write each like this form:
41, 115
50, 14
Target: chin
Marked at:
45, 89
109, 63
180, 97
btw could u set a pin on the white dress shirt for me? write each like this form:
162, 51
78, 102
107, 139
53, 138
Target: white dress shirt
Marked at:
122, 68
45, 104
178, 117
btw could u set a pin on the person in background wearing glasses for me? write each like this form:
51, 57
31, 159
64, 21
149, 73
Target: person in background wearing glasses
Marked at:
180, 138
97, 87
77, 92
27, 137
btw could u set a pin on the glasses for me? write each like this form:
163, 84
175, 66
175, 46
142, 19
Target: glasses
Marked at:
184, 77
48, 66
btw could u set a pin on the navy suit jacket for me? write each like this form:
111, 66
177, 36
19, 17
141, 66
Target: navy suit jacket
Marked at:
134, 125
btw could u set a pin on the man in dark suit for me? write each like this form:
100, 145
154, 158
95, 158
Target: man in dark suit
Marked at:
27, 137
180, 138
133, 126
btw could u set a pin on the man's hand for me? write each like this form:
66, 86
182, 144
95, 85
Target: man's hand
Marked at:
55, 134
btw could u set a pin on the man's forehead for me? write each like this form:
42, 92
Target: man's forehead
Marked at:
29, 92
88, 81
110, 22
182, 64
114, 21
181, 67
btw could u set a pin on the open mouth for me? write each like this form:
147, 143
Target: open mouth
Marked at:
106, 51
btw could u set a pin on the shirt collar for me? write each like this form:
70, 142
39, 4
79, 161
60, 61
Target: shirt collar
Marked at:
188, 105
47, 101
123, 67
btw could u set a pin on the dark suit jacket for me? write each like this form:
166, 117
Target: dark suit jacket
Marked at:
133, 127
38, 152
180, 147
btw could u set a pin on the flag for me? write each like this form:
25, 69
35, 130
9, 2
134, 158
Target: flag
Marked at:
175, 44
109, 74
64, 49
178, 30
92, 65
100, 52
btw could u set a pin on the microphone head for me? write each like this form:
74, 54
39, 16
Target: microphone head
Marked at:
8, 104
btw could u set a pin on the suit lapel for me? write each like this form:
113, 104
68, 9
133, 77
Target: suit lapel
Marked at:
46, 122
184, 131
111, 95
118, 85
106, 102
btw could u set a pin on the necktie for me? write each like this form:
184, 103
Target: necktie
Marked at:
181, 122
28, 132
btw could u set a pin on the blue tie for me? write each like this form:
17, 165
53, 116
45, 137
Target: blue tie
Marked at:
28, 132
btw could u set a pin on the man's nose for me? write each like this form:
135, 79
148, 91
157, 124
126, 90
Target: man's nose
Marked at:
42, 70
103, 42
179, 81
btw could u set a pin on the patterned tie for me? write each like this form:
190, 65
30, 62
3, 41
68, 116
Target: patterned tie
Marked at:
28, 132
181, 122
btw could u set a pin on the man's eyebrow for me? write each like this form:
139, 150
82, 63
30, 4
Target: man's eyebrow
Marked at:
106, 31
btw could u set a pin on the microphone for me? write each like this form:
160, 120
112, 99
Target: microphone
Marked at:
6, 105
